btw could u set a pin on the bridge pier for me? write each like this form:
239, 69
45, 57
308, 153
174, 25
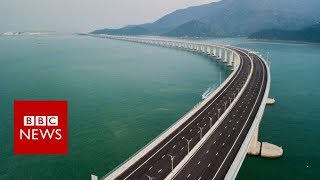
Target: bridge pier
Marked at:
231, 59
93, 177
264, 149
225, 60
220, 54
208, 50
214, 51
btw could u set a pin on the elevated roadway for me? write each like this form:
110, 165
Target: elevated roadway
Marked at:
210, 141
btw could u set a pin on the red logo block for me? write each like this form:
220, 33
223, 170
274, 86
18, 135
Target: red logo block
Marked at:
40, 127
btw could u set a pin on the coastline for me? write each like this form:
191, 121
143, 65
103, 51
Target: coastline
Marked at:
284, 41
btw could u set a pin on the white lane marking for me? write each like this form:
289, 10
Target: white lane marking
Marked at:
199, 162
223, 144
163, 156
242, 127
151, 167
188, 175
217, 153
207, 151
160, 170
209, 164
229, 135
174, 146
182, 148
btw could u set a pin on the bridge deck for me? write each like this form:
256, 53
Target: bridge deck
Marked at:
212, 159
157, 162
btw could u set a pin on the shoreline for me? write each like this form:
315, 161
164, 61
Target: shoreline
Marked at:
285, 41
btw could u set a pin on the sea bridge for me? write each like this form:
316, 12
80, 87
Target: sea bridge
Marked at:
211, 140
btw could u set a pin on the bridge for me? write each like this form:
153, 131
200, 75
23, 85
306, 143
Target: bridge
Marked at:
211, 140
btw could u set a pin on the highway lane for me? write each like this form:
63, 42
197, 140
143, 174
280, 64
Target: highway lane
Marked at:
157, 162
213, 159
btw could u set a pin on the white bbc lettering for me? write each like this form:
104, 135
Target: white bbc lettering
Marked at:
28, 120
41, 120
52, 121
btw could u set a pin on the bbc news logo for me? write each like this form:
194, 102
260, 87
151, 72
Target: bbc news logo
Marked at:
35, 133
40, 127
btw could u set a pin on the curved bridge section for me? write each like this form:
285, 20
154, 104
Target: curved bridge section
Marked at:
212, 140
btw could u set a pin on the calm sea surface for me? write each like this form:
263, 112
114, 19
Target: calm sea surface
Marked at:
122, 95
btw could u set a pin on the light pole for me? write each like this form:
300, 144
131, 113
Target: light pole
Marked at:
172, 158
201, 128
150, 178
219, 113
210, 118
188, 142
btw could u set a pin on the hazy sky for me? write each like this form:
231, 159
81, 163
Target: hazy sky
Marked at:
84, 15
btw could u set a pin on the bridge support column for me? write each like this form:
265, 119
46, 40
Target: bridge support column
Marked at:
93, 177
220, 54
231, 59
225, 56
215, 52
264, 149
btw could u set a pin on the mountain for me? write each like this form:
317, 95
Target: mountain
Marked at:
132, 30
236, 17
310, 34
196, 28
